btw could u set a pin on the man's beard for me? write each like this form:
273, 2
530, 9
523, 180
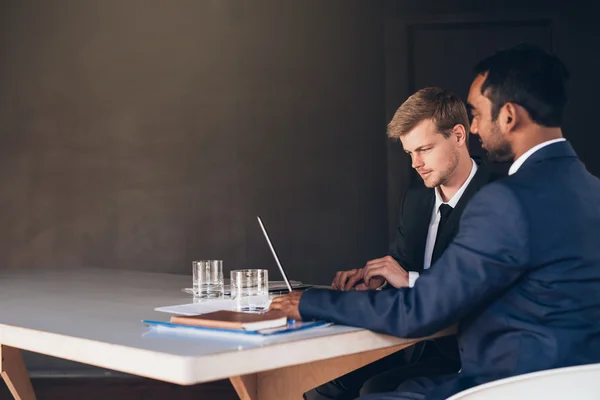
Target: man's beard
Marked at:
503, 152
444, 176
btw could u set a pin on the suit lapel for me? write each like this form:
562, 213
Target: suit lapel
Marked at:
423, 211
446, 235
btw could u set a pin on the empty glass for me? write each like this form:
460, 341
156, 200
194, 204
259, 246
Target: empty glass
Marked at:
208, 278
250, 289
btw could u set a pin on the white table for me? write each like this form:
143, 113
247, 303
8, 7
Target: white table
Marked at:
93, 316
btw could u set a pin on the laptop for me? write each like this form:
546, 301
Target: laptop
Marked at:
285, 278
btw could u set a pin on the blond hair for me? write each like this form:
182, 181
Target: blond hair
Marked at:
444, 108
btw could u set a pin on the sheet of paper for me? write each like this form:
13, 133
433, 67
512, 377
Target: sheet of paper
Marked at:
201, 307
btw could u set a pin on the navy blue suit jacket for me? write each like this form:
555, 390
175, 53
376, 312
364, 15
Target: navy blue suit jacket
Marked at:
522, 278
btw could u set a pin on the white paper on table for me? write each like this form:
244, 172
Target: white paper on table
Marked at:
202, 307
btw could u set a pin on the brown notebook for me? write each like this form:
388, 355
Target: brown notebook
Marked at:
233, 320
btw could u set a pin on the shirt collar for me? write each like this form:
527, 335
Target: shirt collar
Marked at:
454, 200
519, 161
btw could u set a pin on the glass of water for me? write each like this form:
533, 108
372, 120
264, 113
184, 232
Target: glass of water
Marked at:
208, 279
250, 289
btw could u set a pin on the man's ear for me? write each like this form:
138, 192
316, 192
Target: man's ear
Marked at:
460, 133
509, 117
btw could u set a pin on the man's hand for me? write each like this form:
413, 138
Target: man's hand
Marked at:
385, 268
288, 305
374, 283
345, 280
353, 279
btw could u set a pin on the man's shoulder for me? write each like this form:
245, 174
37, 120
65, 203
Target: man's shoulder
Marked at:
417, 194
499, 191
486, 174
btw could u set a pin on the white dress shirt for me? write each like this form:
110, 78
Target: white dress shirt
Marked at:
435, 221
519, 161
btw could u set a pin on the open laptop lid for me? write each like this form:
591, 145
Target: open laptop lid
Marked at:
285, 278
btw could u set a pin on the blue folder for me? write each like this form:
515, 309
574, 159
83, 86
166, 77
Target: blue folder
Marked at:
292, 326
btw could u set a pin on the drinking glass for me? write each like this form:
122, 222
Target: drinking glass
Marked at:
208, 279
250, 289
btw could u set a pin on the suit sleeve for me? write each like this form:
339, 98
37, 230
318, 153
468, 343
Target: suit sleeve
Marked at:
490, 252
398, 246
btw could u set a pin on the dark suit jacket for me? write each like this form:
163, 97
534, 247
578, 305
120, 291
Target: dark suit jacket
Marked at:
522, 278
416, 209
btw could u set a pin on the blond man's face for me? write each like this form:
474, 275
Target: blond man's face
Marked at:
433, 156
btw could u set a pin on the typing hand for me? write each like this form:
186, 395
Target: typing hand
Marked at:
374, 283
353, 279
288, 304
385, 268
345, 280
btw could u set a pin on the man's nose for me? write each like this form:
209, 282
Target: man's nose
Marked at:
417, 162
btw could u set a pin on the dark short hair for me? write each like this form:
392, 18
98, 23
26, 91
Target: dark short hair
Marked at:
528, 76
444, 108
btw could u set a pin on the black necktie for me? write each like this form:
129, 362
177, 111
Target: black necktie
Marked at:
445, 211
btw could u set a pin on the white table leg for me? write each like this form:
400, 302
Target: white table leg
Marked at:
15, 374
290, 383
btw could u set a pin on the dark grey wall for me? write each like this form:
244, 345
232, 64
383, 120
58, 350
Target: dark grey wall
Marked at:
145, 134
